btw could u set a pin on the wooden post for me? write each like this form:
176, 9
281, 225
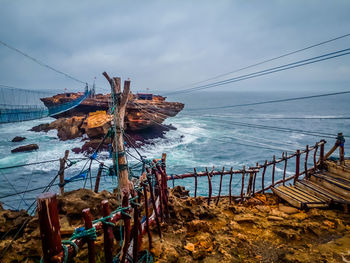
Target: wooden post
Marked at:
147, 217
209, 185
315, 154
285, 167
230, 184
273, 170
242, 189
91, 243
221, 175
107, 233
98, 178
297, 166
127, 228
49, 226
321, 161
119, 102
341, 142
153, 201
195, 182
61, 172
263, 177
306, 158
135, 231
257, 165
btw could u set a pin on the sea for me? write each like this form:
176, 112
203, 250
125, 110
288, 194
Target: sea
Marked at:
210, 137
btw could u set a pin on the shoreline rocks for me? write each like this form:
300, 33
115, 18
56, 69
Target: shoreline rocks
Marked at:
26, 148
18, 139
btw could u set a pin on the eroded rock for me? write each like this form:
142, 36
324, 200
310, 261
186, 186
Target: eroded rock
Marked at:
26, 148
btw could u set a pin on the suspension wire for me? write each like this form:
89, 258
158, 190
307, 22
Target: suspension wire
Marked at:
47, 161
268, 60
41, 63
283, 129
296, 64
272, 101
8, 181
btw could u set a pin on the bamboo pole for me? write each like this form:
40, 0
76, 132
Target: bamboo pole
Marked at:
222, 174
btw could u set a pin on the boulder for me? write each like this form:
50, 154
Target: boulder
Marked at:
18, 139
41, 127
26, 148
97, 124
68, 128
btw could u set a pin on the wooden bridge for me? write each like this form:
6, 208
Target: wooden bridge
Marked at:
328, 184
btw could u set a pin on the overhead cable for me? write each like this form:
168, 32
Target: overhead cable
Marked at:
296, 64
269, 60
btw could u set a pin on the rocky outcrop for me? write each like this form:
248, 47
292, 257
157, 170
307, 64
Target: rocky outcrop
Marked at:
26, 148
97, 124
68, 128
18, 139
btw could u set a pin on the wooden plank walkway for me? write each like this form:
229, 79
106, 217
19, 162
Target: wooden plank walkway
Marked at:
320, 189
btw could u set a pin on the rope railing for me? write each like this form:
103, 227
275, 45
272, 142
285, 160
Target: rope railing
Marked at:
249, 177
151, 192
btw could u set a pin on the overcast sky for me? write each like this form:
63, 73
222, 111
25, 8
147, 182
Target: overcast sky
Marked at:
165, 45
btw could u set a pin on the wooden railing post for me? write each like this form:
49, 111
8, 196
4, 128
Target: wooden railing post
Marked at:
91, 243
209, 184
221, 175
306, 158
297, 166
108, 233
321, 161
273, 170
230, 194
49, 226
341, 141
195, 182
147, 217
263, 177
61, 172
315, 154
242, 189
285, 167
127, 229
98, 178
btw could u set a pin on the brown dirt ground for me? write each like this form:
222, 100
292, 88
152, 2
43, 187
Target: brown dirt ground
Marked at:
259, 230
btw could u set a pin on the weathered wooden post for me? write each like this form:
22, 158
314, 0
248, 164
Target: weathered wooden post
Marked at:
119, 106
127, 228
221, 175
153, 201
147, 217
315, 154
209, 184
285, 157
321, 161
195, 182
49, 226
263, 177
98, 178
230, 194
297, 166
273, 170
341, 142
306, 158
91, 243
242, 189
61, 172
107, 233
